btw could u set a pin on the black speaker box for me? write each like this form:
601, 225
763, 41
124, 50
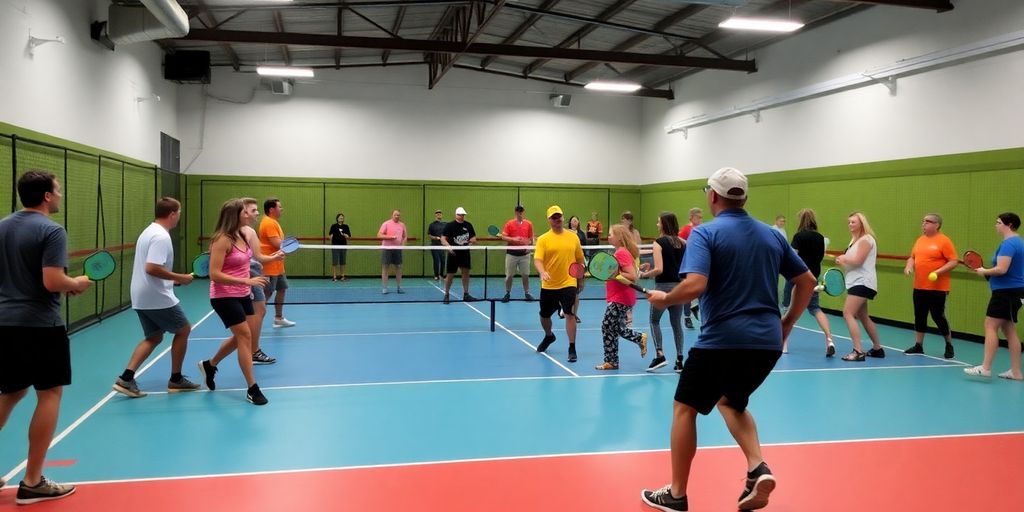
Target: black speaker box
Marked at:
189, 66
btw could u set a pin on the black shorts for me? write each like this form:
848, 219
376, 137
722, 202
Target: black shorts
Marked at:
34, 356
391, 257
233, 310
458, 260
553, 300
862, 291
1005, 304
710, 374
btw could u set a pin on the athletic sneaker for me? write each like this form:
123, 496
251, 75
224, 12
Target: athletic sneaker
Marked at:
1008, 374
656, 363
208, 370
259, 357
760, 483
546, 342
507, 297
678, 368
643, 344
876, 352
978, 371
283, 322
46, 490
181, 386
688, 322
383, 291
662, 499
529, 298
606, 366
916, 349
446, 299
830, 350
572, 353
400, 291
949, 351
468, 298
255, 396
128, 388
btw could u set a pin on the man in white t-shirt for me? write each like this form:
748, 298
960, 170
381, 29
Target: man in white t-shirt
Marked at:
152, 293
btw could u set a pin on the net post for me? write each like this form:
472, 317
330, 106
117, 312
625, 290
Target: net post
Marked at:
492, 315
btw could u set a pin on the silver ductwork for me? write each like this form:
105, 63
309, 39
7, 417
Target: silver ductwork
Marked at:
159, 19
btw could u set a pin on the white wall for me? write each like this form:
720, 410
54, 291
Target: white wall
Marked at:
81, 91
969, 107
384, 123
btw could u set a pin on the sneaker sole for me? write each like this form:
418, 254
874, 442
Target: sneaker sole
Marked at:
655, 367
29, 501
260, 363
127, 392
758, 497
182, 390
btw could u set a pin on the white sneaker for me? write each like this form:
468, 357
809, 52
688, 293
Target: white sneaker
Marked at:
282, 322
977, 371
1008, 374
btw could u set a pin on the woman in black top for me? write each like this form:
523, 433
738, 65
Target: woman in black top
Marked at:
340, 233
810, 246
668, 254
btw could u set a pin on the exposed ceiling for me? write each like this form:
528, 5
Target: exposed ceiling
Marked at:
569, 42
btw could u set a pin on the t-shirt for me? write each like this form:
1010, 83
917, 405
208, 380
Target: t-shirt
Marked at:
930, 253
810, 246
685, 231
516, 229
671, 257
558, 251
30, 241
459, 233
1014, 276
392, 228
594, 229
865, 274
435, 228
151, 292
782, 231
742, 259
615, 291
336, 231
270, 228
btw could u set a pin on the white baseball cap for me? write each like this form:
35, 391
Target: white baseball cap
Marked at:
729, 182
460, 211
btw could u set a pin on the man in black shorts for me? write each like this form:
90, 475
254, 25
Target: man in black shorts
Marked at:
741, 335
556, 250
458, 233
34, 346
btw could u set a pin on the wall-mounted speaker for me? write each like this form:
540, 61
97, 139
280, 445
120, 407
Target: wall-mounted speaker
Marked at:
188, 66
560, 100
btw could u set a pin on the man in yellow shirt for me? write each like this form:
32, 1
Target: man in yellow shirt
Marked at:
271, 236
556, 250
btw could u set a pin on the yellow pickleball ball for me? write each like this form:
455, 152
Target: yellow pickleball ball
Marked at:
933, 277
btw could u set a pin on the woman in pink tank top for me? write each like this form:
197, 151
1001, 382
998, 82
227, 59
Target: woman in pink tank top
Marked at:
231, 295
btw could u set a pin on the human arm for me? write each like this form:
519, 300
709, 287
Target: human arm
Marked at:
1002, 265
56, 281
659, 264
254, 243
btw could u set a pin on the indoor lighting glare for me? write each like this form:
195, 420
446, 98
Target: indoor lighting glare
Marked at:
284, 71
613, 86
763, 24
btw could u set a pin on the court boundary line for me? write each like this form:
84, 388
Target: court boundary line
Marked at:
545, 456
942, 359
324, 335
92, 410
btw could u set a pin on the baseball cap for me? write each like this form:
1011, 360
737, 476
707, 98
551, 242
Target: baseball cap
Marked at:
460, 211
729, 183
553, 210
437, 211
519, 208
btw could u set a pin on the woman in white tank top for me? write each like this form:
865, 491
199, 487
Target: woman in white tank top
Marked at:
861, 286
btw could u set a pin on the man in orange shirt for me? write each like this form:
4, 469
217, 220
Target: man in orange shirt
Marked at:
933, 253
271, 236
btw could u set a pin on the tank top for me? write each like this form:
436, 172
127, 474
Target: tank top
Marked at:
671, 258
865, 274
236, 264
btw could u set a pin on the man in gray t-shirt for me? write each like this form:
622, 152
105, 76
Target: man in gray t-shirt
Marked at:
34, 346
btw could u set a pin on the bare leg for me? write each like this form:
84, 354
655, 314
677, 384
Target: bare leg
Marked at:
744, 431
40, 432
448, 278
991, 341
144, 349
683, 440
179, 345
823, 324
465, 281
256, 322
9, 400
545, 323
384, 276
1013, 343
279, 304
869, 326
850, 309
398, 276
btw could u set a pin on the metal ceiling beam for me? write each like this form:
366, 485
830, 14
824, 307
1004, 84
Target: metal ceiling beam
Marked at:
204, 11
337, 51
239, 36
520, 30
279, 25
934, 5
644, 92
665, 23
583, 31
327, 5
602, 22
399, 18
445, 61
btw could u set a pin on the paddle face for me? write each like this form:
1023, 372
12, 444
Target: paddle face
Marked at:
201, 265
493, 230
603, 266
99, 266
833, 282
972, 260
577, 270
289, 245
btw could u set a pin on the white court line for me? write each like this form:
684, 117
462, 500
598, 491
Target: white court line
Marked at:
514, 335
322, 335
960, 363
81, 419
537, 457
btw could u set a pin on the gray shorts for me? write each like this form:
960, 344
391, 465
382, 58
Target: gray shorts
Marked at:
515, 264
159, 321
258, 295
275, 284
391, 257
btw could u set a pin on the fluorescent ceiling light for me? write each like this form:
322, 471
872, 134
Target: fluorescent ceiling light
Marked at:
598, 85
284, 71
762, 24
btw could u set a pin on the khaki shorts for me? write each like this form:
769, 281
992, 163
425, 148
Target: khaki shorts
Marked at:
517, 265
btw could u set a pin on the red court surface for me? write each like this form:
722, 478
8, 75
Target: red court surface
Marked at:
974, 473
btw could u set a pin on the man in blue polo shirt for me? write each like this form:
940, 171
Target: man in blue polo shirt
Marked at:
732, 264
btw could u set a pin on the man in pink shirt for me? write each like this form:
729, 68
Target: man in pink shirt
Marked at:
392, 234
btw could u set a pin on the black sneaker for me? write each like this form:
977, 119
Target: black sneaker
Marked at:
546, 342
662, 499
208, 370
679, 365
529, 298
948, 354
876, 352
259, 357
696, 312
255, 396
760, 483
468, 298
916, 349
572, 353
507, 297
656, 363
689, 323
446, 299
45, 490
